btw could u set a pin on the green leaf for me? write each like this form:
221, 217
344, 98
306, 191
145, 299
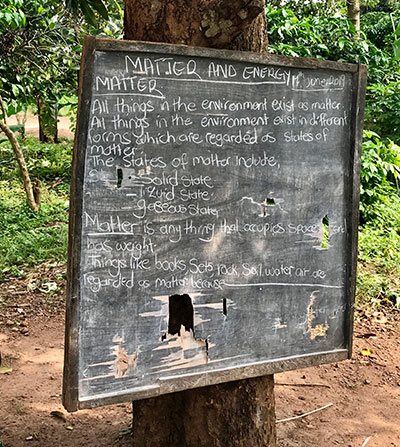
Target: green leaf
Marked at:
397, 32
8, 17
15, 90
88, 14
396, 48
100, 8
23, 18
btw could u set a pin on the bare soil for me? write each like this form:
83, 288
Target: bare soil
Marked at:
364, 392
32, 125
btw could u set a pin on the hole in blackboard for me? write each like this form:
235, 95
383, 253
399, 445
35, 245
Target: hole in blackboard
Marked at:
119, 177
269, 201
325, 233
224, 307
181, 324
180, 314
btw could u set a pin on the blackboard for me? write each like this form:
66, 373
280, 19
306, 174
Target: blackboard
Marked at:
214, 214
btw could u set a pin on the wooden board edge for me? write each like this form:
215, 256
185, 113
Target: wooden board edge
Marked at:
169, 385
71, 346
357, 134
196, 380
105, 44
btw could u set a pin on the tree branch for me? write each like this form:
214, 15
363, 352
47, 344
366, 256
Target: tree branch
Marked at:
30, 196
3, 110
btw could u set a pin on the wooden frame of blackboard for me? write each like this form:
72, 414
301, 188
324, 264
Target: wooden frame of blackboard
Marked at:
172, 384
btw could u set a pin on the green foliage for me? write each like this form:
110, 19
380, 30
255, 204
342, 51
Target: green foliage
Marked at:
378, 6
378, 28
314, 8
39, 59
89, 8
379, 237
383, 95
382, 111
330, 38
379, 188
40, 46
49, 162
27, 238
378, 280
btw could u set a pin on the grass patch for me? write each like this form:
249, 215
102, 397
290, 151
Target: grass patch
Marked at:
378, 280
26, 238
49, 162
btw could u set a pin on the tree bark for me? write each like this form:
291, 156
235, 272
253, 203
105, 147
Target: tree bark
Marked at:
29, 190
205, 23
3, 111
235, 414
42, 135
48, 127
353, 14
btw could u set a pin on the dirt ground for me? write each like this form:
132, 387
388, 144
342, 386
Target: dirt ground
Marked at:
363, 394
32, 126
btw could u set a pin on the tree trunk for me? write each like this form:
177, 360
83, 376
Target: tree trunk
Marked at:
235, 414
31, 194
42, 135
229, 24
353, 14
48, 121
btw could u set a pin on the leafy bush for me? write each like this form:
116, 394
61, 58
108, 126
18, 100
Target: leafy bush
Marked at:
379, 188
378, 279
334, 38
48, 162
27, 238
379, 237
326, 38
313, 8
382, 111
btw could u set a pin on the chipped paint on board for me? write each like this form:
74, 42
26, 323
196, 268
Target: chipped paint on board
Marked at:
320, 330
186, 351
123, 361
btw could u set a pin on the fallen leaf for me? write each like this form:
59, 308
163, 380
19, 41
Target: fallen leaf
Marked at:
69, 427
58, 415
366, 352
5, 370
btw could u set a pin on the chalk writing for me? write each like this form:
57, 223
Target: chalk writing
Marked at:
185, 159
